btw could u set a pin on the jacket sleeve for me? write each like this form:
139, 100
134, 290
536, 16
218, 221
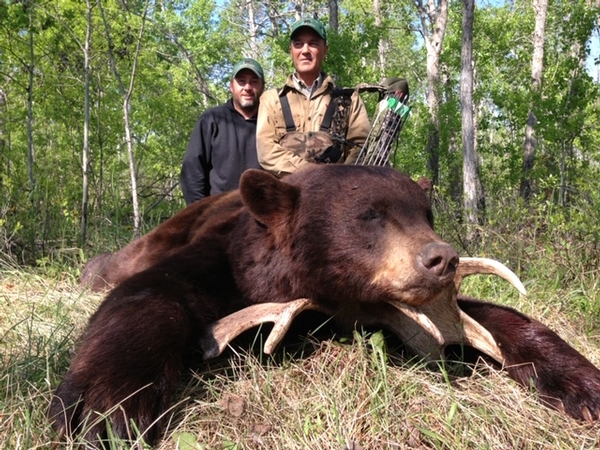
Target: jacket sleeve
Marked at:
358, 127
194, 178
272, 156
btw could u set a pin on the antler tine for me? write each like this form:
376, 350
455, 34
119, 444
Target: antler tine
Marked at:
220, 333
472, 266
429, 328
419, 318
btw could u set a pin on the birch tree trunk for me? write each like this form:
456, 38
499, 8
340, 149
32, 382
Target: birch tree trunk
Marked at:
537, 67
126, 94
382, 45
333, 15
2, 124
468, 133
595, 4
30, 69
85, 160
298, 9
434, 19
273, 15
252, 29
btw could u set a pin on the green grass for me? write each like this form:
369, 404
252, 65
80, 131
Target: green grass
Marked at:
342, 394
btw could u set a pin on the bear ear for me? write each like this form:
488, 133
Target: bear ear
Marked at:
426, 184
269, 200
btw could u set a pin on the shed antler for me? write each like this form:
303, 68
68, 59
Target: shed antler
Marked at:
225, 330
428, 329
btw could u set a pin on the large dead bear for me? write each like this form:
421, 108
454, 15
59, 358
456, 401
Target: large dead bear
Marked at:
350, 237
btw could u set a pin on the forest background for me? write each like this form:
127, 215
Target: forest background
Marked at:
98, 99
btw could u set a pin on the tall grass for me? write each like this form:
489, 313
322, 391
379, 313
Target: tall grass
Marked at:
347, 394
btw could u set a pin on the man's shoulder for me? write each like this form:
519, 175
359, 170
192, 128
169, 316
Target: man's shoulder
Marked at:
273, 92
278, 91
223, 107
215, 112
328, 80
270, 96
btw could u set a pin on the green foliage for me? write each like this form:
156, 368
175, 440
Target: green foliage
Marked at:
187, 441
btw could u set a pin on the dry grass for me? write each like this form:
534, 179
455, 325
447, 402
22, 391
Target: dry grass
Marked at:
345, 395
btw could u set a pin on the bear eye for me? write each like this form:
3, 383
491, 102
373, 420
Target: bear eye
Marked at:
430, 218
369, 215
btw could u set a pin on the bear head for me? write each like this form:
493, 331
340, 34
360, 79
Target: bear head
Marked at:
339, 233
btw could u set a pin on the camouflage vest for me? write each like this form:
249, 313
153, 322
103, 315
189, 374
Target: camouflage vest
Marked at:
312, 144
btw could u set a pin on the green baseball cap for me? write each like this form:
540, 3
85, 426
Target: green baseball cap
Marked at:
310, 23
248, 63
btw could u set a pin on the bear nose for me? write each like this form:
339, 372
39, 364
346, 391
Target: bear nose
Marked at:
439, 259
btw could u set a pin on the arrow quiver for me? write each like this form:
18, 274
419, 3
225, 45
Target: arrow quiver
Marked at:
392, 113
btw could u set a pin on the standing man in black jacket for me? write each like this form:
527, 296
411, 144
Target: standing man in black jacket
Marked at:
223, 142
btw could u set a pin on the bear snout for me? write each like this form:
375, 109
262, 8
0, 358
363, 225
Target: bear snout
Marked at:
438, 259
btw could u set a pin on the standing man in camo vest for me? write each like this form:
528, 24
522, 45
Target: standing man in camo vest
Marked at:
309, 121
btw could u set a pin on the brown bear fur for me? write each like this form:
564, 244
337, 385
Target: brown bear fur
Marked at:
348, 236
198, 219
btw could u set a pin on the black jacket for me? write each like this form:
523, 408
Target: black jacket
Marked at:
222, 146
